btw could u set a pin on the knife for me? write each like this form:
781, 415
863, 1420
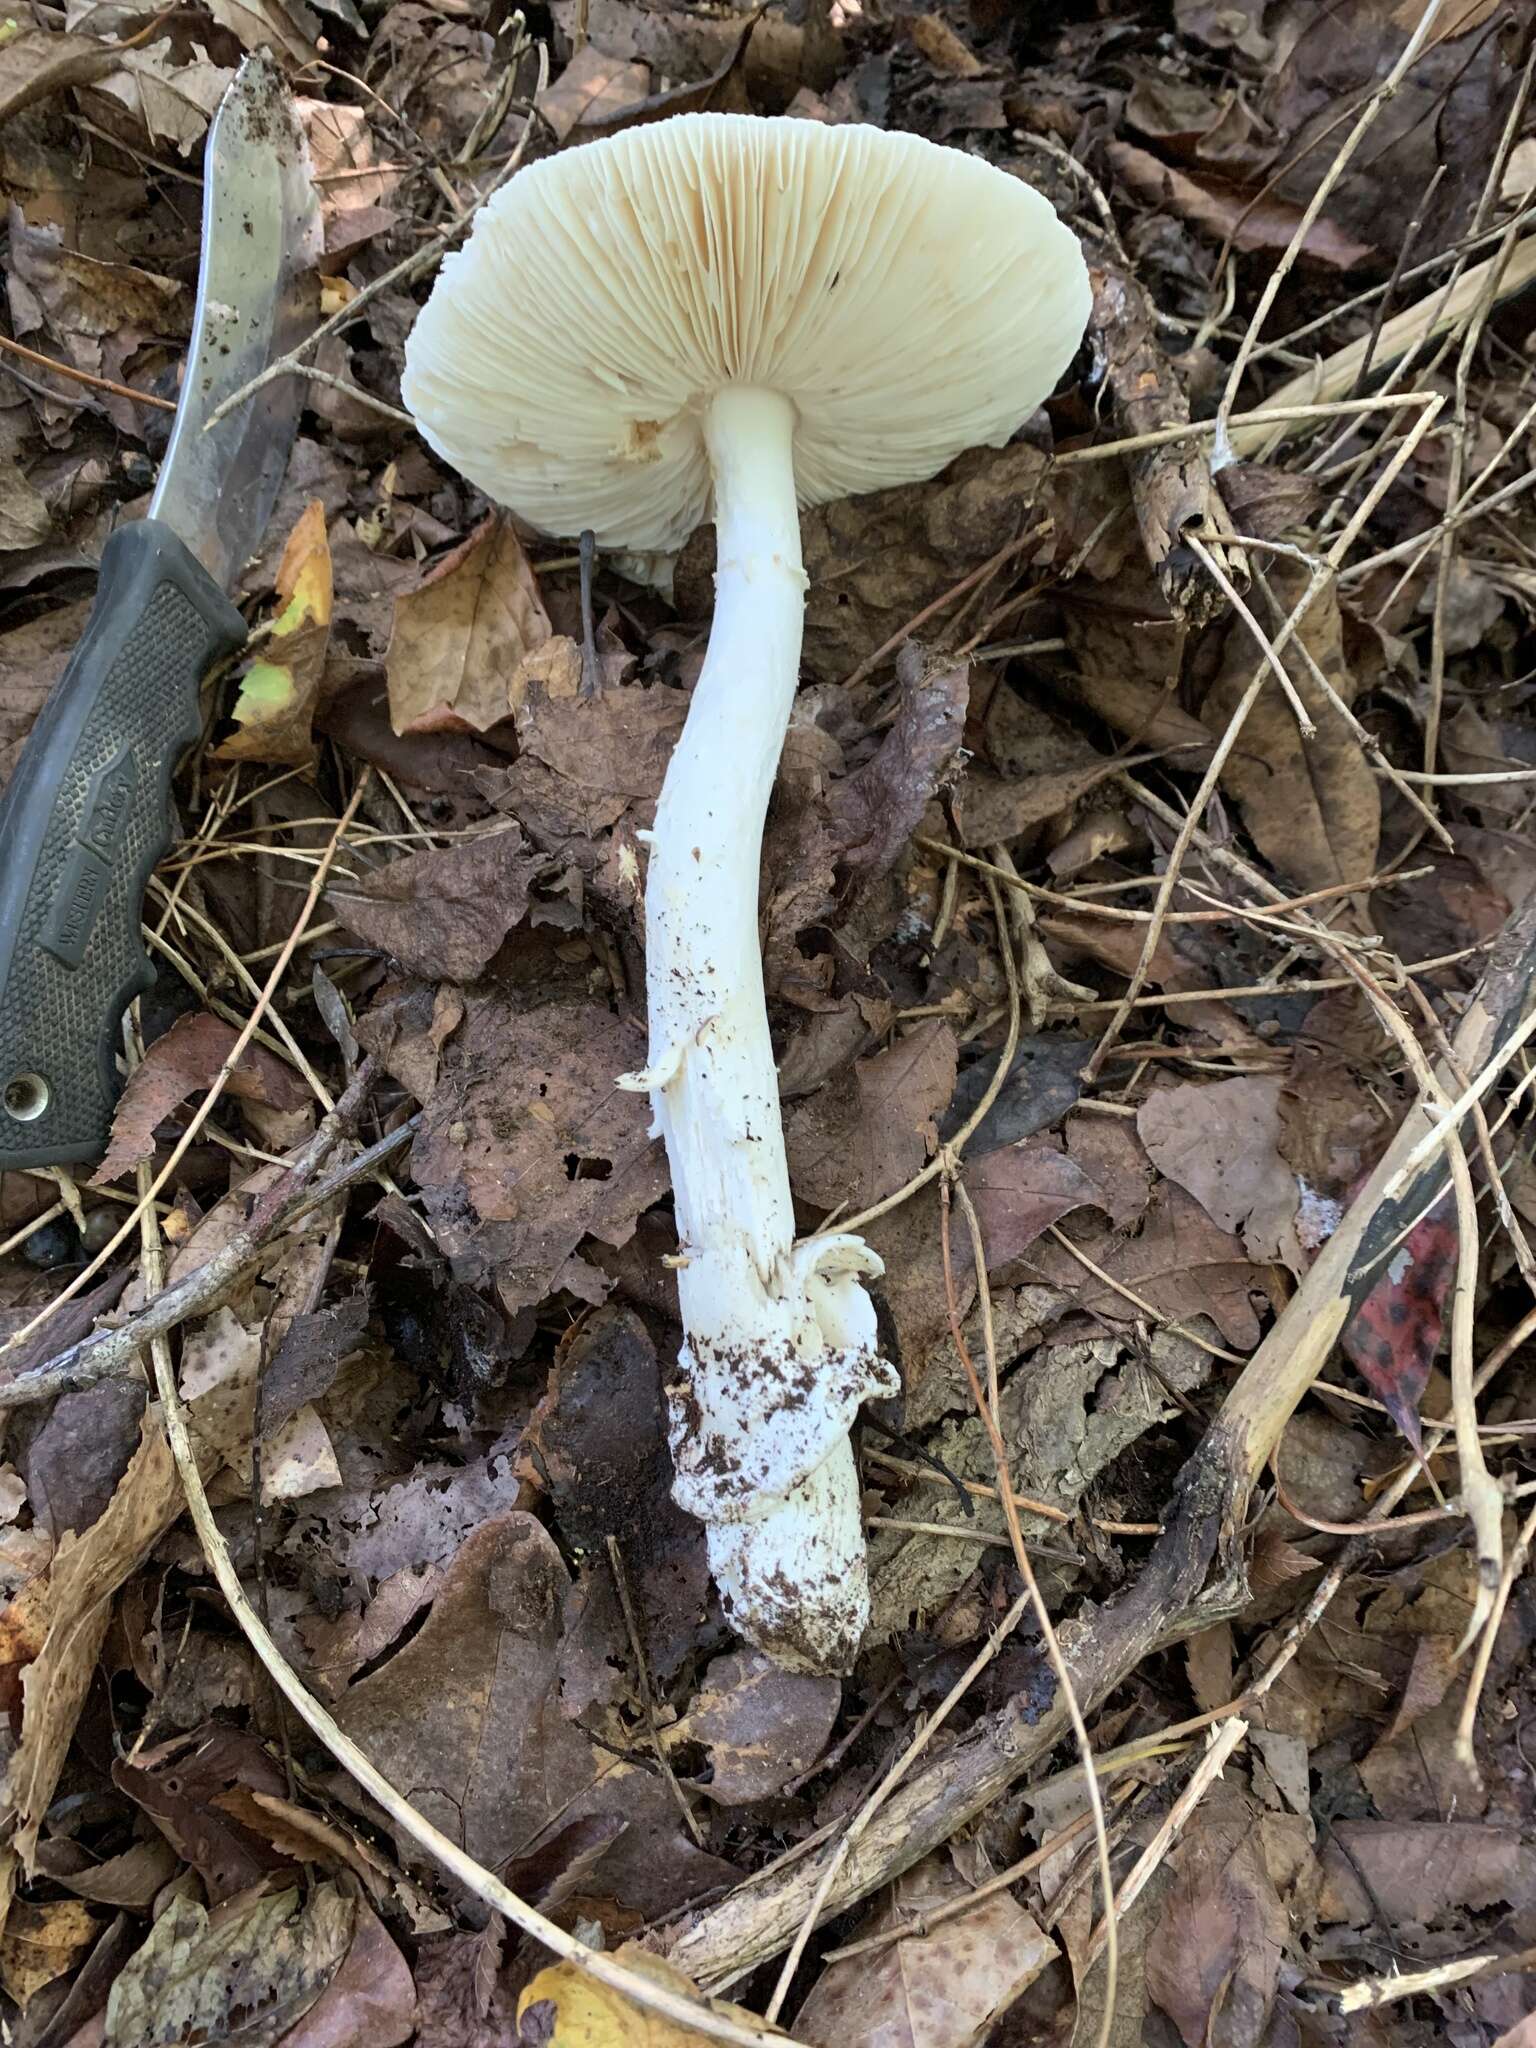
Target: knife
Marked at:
87, 812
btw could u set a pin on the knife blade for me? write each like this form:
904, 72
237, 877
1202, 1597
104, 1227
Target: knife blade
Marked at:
87, 812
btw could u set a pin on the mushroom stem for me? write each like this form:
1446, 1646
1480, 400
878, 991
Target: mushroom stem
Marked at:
779, 1342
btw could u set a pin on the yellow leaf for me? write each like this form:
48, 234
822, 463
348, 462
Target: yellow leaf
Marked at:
42, 1943
586, 2014
276, 703
459, 652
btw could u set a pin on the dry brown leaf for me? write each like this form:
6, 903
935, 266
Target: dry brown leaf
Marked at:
942, 1989
467, 1717
527, 1146
35, 63
591, 89
1220, 1142
463, 641
1018, 1191
1179, 1261
868, 1131
597, 1445
166, 101
286, 26
32, 658
86, 1572
41, 1943
1213, 1962
1417, 1871
761, 1726
442, 914
181, 1062
369, 2003
1312, 805
1252, 219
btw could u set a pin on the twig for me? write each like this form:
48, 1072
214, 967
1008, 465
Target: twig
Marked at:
1516, 1562
647, 1690
1229, 738
1368, 113
1379, 1991
1224, 1739
112, 1352
899, 1770
1002, 1882
32, 355
986, 1407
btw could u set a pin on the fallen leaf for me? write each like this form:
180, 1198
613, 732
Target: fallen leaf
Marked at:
867, 1132
86, 1572
464, 641
42, 1943
677, 43
25, 520
276, 705
80, 1452
36, 63
761, 1726
166, 100
1220, 1142
938, 1989
586, 762
183, 1785
874, 811
354, 196
1448, 110
246, 1975
566, 2007
32, 659
1251, 219
371, 2000
1213, 1962
466, 1720
286, 26
132, 1879
526, 1145
1312, 805
1018, 1192
1393, 1336
181, 1062
1418, 1871
591, 89
1179, 1260
597, 1444
442, 914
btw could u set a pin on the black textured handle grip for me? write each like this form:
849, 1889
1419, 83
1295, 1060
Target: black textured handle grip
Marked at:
85, 817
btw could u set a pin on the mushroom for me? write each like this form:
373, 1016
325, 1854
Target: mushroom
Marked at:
720, 312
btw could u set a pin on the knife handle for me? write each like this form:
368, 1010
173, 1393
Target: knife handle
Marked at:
85, 817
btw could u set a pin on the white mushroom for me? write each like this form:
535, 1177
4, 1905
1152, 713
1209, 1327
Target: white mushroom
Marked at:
740, 316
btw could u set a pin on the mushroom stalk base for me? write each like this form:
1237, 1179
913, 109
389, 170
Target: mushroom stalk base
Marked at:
779, 1341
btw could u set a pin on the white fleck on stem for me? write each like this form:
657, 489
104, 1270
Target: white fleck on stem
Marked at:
779, 1343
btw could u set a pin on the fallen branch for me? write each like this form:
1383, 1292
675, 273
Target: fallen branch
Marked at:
1172, 1595
113, 1352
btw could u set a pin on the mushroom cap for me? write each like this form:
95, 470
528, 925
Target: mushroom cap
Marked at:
910, 300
